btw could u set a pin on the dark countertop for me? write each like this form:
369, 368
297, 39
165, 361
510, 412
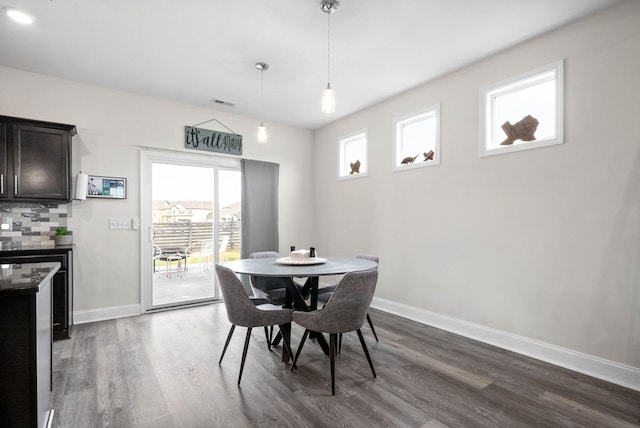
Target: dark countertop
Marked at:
25, 278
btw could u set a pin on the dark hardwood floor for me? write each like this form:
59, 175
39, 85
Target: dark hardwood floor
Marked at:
161, 370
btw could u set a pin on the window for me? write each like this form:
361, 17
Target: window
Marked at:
352, 155
524, 112
417, 139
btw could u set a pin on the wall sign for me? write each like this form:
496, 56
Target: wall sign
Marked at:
212, 141
107, 187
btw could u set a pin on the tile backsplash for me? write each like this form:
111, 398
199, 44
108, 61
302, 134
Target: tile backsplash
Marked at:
30, 225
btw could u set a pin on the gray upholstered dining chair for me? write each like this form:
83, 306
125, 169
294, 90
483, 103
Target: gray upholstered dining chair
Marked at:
325, 293
274, 289
242, 312
346, 311
271, 288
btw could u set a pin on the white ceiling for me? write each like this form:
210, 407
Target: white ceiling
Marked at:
194, 51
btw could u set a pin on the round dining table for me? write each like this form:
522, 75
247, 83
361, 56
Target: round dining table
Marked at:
310, 269
300, 268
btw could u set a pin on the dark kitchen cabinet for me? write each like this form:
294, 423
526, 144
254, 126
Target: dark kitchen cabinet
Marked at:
35, 160
25, 349
62, 283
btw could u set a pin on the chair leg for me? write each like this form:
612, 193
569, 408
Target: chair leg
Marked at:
286, 339
366, 352
275, 340
244, 353
372, 329
266, 334
333, 338
295, 359
233, 327
339, 343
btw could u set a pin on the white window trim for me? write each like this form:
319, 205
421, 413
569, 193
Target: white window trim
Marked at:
436, 161
366, 154
558, 66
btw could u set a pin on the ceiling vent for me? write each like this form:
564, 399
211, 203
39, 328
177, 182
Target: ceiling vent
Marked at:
222, 102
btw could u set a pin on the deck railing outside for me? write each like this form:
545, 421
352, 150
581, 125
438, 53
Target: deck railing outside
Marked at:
194, 235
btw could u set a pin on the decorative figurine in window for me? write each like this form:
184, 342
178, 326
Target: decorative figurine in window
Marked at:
429, 155
408, 160
522, 130
355, 167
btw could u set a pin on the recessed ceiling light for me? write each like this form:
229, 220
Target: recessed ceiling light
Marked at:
19, 16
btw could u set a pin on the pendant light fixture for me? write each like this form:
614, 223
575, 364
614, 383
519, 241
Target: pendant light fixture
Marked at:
262, 130
328, 94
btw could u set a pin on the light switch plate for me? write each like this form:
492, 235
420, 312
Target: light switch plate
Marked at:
120, 223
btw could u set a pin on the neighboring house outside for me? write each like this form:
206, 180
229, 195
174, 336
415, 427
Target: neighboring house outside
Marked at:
194, 211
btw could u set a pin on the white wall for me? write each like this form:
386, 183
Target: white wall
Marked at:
543, 244
111, 127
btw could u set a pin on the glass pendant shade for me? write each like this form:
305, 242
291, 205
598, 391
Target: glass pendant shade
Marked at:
262, 134
328, 100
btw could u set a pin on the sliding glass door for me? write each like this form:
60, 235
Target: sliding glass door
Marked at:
190, 215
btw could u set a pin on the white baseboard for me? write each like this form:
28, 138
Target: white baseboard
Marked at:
600, 368
101, 314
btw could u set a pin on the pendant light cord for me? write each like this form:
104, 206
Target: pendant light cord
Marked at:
262, 96
328, 49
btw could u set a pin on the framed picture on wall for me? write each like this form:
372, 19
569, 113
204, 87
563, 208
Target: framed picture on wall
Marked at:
106, 187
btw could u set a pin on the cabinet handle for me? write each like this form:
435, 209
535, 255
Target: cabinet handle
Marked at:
1, 184
15, 184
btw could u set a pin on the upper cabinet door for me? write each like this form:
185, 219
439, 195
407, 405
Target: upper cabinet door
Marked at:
3, 160
41, 163
35, 160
